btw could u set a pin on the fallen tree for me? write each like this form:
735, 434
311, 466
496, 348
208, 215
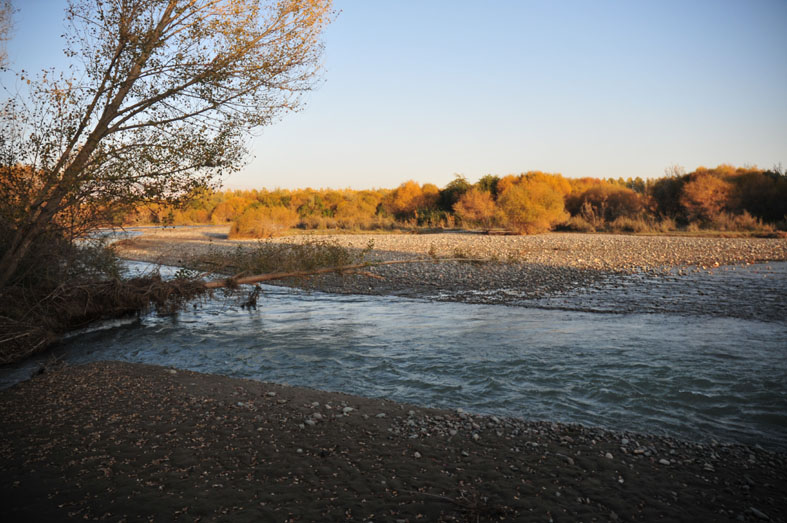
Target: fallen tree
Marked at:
36, 322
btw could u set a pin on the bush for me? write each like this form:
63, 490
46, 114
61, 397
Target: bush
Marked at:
263, 222
532, 206
626, 224
605, 203
704, 197
740, 222
269, 257
578, 224
476, 208
666, 225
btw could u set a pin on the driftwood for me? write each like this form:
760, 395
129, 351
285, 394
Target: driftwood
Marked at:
234, 281
39, 321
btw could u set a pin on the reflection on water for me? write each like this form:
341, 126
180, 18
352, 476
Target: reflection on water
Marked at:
697, 377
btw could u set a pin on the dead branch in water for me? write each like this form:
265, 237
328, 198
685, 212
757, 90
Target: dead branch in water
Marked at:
239, 279
39, 321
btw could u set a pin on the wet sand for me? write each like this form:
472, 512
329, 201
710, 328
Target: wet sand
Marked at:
129, 442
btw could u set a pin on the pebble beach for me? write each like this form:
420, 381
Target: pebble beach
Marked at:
129, 442
590, 272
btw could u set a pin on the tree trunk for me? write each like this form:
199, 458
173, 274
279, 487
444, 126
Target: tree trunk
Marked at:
23, 239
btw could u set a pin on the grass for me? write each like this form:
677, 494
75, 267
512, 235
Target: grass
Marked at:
270, 257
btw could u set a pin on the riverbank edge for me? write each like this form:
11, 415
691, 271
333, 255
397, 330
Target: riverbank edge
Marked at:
533, 267
123, 441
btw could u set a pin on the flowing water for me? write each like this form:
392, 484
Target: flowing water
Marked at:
698, 377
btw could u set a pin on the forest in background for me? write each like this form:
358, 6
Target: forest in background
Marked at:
724, 198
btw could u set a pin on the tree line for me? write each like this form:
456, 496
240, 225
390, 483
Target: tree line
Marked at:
720, 198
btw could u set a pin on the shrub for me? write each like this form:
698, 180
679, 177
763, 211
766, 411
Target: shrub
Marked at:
666, 225
263, 222
451, 193
704, 196
606, 203
476, 208
532, 206
740, 222
578, 224
626, 224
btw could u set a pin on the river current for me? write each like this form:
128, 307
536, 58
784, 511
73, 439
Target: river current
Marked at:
698, 377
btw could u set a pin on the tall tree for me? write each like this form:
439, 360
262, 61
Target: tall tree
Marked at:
6, 23
162, 99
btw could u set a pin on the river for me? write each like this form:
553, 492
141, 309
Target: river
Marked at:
692, 376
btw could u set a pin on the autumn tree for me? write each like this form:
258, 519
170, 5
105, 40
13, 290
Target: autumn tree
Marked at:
163, 96
532, 205
606, 202
554, 180
704, 196
405, 200
263, 222
476, 208
6, 13
454, 190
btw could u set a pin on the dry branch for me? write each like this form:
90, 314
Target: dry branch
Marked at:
40, 321
258, 278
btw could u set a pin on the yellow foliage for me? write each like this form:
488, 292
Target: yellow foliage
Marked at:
704, 196
532, 206
506, 182
556, 181
406, 199
263, 222
229, 210
476, 208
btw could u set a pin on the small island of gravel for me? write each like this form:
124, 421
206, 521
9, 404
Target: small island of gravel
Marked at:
592, 272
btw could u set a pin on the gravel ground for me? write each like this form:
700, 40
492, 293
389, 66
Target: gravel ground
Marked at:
128, 442
584, 272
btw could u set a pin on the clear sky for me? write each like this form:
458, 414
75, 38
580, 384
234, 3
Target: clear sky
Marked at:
426, 89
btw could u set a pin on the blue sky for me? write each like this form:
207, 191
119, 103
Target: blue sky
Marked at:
425, 90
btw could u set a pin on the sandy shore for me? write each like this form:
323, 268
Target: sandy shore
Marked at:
127, 442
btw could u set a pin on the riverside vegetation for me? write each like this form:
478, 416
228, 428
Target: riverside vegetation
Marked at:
156, 109
156, 103
48, 299
723, 198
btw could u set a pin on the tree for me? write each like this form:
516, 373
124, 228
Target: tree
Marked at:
6, 13
167, 91
476, 207
532, 206
488, 183
451, 193
409, 198
704, 196
607, 202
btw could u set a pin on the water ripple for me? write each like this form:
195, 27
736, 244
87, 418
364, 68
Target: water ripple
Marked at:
697, 377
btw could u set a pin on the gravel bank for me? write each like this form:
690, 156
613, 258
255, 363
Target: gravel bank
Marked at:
587, 272
122, 442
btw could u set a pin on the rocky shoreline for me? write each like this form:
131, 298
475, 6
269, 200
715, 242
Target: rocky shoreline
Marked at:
127, 442
583, 272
